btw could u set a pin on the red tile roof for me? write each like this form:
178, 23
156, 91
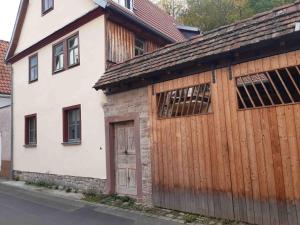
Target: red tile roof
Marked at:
152, 15
5, 70
265, 26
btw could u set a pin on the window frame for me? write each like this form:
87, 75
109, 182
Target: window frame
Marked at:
43, 11
66, 140
65, 42
138, 48
30, 67
27, 132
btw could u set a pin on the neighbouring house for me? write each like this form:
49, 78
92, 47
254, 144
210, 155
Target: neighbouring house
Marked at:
58, 50
5, 113
223, 114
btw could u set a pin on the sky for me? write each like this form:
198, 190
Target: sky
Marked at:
8, 13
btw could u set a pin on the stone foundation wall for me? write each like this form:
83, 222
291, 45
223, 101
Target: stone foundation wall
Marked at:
80, 183
136, 101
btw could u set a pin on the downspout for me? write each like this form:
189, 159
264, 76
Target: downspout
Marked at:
11, 174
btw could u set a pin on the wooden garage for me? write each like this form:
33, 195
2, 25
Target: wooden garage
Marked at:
224, 119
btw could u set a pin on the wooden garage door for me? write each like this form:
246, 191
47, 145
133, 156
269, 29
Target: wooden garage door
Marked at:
125, 153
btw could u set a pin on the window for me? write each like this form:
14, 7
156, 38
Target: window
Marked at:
276, 87
72, 124
30, 130
66, 54
58, 57
139, 47
125, 3
33, 68
73, 51
47, 6
188, 101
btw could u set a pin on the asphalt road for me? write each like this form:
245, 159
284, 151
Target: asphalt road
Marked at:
21, 207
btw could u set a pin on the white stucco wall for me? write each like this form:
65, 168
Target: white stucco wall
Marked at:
37, 27
49, 95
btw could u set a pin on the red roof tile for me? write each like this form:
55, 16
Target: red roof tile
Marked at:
5, 70
152, 15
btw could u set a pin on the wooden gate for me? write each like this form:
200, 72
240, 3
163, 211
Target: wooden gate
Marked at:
228, 162
125, 153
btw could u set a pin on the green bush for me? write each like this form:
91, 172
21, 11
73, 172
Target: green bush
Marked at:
190, 218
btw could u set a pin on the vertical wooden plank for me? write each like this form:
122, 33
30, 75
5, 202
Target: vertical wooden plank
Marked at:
181, 158
238, 71
241, 195
231, 155
200, 173
218, 171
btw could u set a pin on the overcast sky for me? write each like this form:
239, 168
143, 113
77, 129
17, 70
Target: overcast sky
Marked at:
8, 13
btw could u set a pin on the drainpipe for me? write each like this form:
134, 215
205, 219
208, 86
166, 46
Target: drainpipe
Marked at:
11, 174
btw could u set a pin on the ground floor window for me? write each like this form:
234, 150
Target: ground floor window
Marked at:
30, 130
72, 124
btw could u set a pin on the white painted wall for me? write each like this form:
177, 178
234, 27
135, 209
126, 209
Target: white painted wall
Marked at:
37, 27
50, 94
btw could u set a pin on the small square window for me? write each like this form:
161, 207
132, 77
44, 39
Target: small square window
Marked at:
73, 51
47, 6
58, 54
30, 130
72, 124
139, 47
33, 68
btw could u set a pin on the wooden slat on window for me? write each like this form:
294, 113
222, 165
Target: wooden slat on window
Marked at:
186, 101
276, 87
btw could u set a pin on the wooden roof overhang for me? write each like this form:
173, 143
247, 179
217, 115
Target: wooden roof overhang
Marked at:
264, 49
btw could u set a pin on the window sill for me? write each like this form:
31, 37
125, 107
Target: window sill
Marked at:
71, 143
65, 69
30, 146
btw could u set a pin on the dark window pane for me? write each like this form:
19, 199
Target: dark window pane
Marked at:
139, 47
33, 68
74, 125
47, 4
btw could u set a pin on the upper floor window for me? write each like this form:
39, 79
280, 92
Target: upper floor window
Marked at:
72, 124
30, 130
73, 50
33, 68
47, 6
66, 54
126, 3
58, 57
139, 47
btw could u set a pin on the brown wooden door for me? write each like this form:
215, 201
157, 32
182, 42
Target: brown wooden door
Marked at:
125, 159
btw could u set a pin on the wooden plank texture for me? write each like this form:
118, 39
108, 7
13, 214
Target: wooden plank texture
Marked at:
229, 163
